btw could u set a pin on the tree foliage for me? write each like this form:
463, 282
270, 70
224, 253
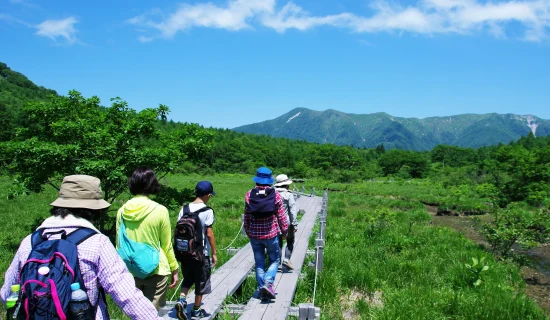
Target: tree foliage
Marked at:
75, 135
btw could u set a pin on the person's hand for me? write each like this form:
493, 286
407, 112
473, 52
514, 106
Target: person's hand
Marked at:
174, 279
214, 260
295, 229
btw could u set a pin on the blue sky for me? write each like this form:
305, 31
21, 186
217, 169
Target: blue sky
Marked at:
229, 63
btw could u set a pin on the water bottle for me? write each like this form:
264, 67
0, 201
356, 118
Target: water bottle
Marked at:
80, 306
11, 301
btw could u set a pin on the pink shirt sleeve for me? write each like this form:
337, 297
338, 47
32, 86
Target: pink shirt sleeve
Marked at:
117, 281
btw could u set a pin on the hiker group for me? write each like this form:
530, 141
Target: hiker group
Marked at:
65, 268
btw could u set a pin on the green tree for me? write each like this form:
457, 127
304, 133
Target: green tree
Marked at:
74, 135
415, 164
6, 123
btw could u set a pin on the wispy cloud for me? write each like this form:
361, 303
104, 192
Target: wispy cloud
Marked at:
54, 29
11, 19
424, 17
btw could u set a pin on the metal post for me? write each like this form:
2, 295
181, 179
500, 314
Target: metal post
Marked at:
319, 246
322, 226
242, 221
306, 311
303, 189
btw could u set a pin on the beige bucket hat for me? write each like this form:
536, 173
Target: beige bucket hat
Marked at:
80, 191
282, 180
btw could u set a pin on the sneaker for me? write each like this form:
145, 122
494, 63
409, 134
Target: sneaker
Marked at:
181, 309
198, 314
268, 292
262, 296
288, 265
280, 268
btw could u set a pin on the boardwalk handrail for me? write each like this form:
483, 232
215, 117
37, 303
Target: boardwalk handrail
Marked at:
229, 277
285, 284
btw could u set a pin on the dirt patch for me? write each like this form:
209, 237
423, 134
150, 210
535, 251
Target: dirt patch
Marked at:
463, 224
537, 279
348, 303
537, 287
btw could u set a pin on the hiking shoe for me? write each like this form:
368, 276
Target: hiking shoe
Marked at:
288, 265
268, 292
181, 309
261, 295
198, 314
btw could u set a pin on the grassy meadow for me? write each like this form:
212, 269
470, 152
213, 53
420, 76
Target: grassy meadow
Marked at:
383, 257
384, 260
22, 214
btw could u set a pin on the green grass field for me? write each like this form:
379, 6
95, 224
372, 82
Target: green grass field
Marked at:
383, 258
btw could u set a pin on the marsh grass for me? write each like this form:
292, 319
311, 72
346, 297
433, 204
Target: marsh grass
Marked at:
379, 242
418, 269
22, 215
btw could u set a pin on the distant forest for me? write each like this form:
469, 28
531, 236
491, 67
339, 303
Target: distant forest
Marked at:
518, 171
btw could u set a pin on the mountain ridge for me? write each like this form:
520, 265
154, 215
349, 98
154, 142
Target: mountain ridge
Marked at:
369, 130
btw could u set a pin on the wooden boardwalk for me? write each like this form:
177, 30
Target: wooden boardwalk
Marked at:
285, 283
227, 279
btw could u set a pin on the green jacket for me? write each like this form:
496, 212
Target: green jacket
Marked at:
148, 222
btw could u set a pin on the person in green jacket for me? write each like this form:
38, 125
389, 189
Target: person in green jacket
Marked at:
147, 221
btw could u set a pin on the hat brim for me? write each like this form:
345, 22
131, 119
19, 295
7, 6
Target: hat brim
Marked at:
94, 204
283, 183
260, 180
200, 194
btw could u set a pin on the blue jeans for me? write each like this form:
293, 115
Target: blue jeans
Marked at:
259, 248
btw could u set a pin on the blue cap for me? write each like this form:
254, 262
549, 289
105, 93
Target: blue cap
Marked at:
75, 286
203, 188
263, 176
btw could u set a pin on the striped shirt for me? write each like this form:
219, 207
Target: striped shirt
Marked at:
100, 266
266, 228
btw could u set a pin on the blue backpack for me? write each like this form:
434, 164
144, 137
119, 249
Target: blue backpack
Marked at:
47, 275
140, 258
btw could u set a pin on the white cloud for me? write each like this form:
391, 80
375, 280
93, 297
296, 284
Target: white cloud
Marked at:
233, 17
54, 29
424, 17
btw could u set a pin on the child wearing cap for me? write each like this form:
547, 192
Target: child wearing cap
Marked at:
194, 272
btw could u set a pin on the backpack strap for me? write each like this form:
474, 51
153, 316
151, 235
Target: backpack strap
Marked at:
80, 235
77, 237
36, 238
203, 209
186, 209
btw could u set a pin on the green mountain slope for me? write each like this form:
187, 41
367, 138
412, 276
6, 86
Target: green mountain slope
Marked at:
15, 91
370, 130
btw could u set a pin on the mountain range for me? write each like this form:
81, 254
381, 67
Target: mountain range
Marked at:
371, 130
330, 126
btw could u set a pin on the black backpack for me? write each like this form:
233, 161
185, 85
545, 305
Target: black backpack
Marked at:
188, 236
261, 203
47, 275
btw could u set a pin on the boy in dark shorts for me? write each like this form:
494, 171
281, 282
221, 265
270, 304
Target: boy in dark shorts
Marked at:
195, 272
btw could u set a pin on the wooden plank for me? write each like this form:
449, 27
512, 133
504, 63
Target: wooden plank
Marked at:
225, 281
285, 284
